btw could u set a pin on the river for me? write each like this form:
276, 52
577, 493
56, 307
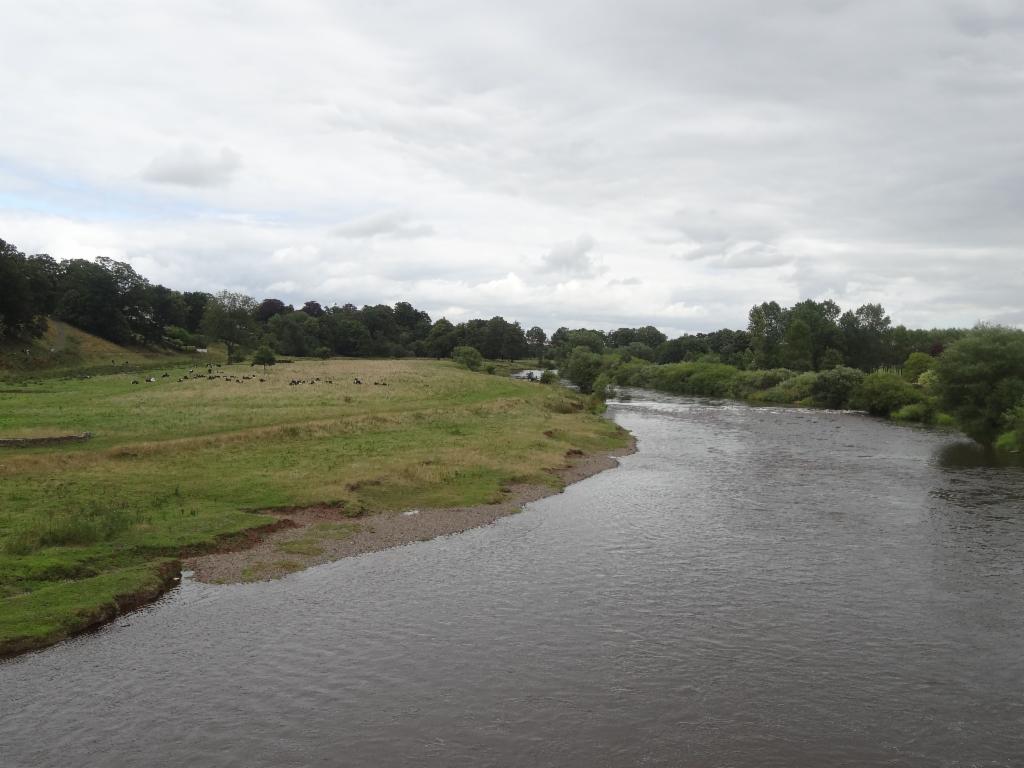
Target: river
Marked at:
755, 587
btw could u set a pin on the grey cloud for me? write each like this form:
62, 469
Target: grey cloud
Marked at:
981, 19
572, 259
396, 224
862, 150
724, 242
192, 166
1013, 317
744, 256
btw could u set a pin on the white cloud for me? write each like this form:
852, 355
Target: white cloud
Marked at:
284, 286
572, 258
296, 254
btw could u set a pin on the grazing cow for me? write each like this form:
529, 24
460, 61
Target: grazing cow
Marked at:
135, 381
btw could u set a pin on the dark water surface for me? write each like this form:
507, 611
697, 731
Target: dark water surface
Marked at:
756, 587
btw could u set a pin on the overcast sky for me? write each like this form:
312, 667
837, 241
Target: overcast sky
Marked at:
582, 162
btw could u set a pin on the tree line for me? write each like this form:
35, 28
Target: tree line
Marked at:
110, 299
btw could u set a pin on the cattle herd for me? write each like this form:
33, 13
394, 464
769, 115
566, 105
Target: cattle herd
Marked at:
215, 375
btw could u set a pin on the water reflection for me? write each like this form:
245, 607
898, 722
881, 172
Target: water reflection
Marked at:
963, 454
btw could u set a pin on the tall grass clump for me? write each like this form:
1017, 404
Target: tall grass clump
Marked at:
91, 524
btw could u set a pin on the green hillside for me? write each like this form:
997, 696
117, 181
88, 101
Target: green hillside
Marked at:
66, 350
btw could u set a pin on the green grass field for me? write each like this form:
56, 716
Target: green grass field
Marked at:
176, 466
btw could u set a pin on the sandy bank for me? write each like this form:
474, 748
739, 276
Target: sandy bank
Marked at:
315, 535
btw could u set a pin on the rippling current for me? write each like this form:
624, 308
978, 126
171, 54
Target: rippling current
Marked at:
755, 587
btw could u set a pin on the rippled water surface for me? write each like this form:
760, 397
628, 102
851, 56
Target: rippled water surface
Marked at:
755, 587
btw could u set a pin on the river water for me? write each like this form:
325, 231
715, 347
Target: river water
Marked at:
755, 587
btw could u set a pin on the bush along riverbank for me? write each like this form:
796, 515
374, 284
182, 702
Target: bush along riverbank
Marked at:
975, 385
186, 462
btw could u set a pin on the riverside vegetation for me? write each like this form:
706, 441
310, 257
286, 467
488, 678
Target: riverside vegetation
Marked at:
183, 466
976, 384
177, 466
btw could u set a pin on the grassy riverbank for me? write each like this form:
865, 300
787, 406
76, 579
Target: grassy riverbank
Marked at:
180, 466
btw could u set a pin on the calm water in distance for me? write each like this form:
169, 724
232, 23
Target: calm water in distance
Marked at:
756, 587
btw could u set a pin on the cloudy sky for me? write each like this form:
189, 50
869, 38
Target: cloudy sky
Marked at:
582, 162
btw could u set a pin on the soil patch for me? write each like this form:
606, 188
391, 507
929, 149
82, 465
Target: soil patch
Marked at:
32, 442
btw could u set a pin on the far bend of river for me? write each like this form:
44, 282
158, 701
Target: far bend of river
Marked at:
756, 587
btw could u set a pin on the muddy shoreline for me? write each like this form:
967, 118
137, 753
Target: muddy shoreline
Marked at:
306, 537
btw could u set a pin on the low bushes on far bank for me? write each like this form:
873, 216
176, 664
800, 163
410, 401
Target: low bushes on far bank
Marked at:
838, 388
977, 384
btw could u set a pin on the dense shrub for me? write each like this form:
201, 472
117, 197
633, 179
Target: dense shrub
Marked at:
264, 356
638, 349
713, 379
766, 379
882, 393
981, 378
470, 357
923, 412
180, 338
929, 383
917, 363
832, 358
1013, 440
601, 387
548, 377
582, 368
703, 379
796, 389
700, 379
634, 373
833, 388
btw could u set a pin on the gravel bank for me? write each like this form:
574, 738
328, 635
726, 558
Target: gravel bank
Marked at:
316, 535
